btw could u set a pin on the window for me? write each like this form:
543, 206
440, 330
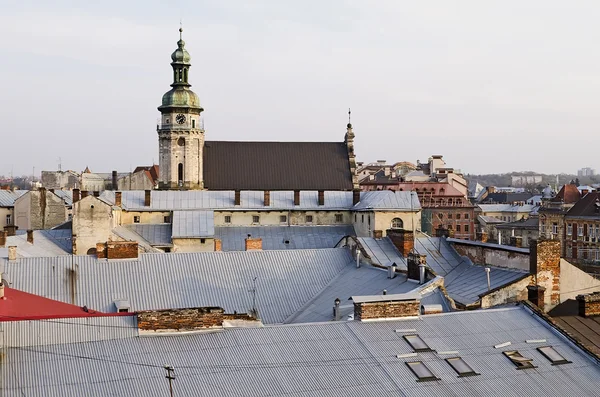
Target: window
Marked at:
309, 218
457, 216
555, 357
543, 228
283, 219
136, 219
421, 371
202, 240
590, 230
580, 230
555, 228
466, 216
8, 219
362, 218
355, 218
397, 223
123, 310
227, 218
255, 219
466, 228
167, 219
193, 123
339, 218
517, 359
458, 228
569, 229
417, 343
450, 216
461, 367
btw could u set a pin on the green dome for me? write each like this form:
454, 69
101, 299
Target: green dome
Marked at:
180, 55
180, 97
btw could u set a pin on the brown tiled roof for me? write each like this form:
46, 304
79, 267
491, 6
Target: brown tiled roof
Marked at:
151, 170
586, 206
568, 194
232, 165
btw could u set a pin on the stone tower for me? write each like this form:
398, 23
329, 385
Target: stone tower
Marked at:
180, 132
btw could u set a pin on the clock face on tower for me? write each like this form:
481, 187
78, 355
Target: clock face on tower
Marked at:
180, 119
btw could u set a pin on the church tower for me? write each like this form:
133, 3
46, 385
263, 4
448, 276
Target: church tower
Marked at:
180, 132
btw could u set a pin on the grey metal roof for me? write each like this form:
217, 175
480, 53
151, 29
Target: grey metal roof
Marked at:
329, 359
190, 224
66, 196
489, 219
382, 251
283, 237
388, 200
286, 279
45, 243
8, 197
506, 208
156, 234
128, 234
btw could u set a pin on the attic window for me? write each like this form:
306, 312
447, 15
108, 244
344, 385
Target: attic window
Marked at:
309, 218
518, 359
227, 218
167, 219
339, 218
417, 343
555, 357
136, 219
282, 218
461, 367
421, 371
255, 219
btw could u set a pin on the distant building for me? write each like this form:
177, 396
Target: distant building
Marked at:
552, 214
524, 180
587, 171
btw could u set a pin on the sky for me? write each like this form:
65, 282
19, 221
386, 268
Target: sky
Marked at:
494, 86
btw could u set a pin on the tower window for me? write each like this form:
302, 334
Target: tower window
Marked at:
180, 172
181, 141
193, 123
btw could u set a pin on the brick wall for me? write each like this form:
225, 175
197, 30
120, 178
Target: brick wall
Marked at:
3, 235
381, 310
218, 245
404, 240
117, 250
253, 244
180, 319
589, 305
545, 266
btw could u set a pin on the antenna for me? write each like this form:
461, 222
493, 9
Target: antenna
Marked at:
170, 376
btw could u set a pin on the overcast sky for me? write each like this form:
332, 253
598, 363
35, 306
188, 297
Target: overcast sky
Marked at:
494, 86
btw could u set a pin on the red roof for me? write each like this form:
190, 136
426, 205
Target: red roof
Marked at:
18, 305
569, 194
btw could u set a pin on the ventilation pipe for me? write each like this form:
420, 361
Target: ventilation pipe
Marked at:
384, 292
487, 271
357, 258
336, 309
421, 273
392, 271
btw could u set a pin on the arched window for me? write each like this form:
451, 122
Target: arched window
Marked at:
397, 223
180, 172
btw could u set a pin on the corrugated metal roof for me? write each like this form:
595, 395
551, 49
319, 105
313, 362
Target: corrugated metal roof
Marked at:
8, 197
388, 200
193, 224
66, 196
45, 243
283, 237
123, 232
286, 279
382, 251
156, 234
328, 359
506, 208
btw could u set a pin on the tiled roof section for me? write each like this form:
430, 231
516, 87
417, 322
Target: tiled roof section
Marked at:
276, 166
193, 224
286, 280
568, 194
152, 171
388, 200
283, 237
335, 359
588, 206
8, 197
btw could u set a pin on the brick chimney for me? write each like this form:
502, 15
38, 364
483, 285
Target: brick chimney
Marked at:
253, 244
118, 198
12, 253
267, 198
76, 193
321, 197
84, 194
589, 305
296, 197
237, 199
535, 295
30, 236
115, 181
355, 197
416, 265
516, 241
147, 198
218, 245
544, 265
403, 240
96, 193
181, 319
2, 238
391, 306
10, 230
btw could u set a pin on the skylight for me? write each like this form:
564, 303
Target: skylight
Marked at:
555, 357
421, 371
417, 343
461, 367
518, 359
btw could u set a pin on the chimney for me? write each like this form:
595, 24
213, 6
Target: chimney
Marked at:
355, 197
237, 200
96, 193
115, 181
589, 305
321, 197
434, 308
218, 245
75, 195
11, 230
516, 241
267, 198
392, 270
2, 238
84, 194
118, 199
296, 197
147, 197
253, 244
544, 265
389, 306
416, 265
30, 236
336, 309
535, 295
403, 240
12, 253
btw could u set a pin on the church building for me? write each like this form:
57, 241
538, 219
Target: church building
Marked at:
188, 162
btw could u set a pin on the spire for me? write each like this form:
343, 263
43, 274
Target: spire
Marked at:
349, 138
349, 114
181, 63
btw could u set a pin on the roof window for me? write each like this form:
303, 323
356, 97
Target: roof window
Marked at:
555, 357
461, 367
421, 371
417, 343
518, 359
